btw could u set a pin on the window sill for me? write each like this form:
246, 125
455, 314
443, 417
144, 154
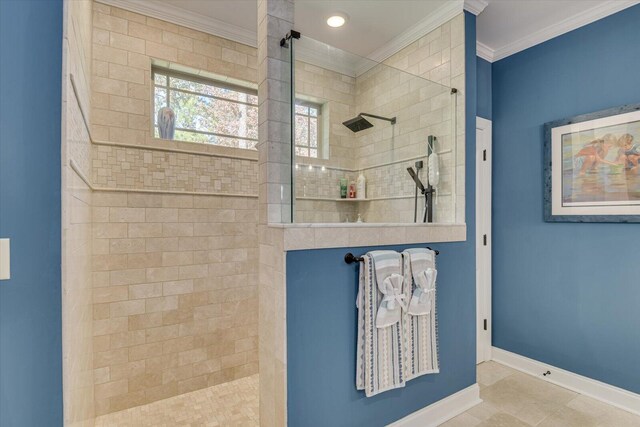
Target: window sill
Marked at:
195, 148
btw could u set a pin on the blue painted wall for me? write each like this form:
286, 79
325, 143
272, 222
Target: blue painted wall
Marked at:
565, 294
30, 105
484, 89
321, 323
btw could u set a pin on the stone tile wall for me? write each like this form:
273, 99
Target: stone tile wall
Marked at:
124, 44
439, 57
175, 276
175, 294
149, 169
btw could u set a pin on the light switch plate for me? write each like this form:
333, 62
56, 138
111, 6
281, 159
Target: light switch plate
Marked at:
5, 259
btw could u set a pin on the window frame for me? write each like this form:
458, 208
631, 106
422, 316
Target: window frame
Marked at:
202, 80
318, 117
168, 73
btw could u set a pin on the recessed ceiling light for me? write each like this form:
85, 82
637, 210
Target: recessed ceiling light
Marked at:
337, 20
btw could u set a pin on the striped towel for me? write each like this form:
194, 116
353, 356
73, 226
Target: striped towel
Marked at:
380, 351
420, 331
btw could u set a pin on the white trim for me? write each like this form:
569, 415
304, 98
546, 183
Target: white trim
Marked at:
348, 66
606, 393
484, 52
475, 6
442, 410
438, 17
483, 226
195, 21
586, 17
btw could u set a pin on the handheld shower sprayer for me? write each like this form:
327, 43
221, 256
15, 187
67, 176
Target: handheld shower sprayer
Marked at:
433, 176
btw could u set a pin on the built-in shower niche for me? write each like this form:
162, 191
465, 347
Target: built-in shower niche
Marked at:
356, 117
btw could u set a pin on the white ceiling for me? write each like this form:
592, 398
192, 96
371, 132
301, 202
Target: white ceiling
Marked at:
509, 26
371, 25
378, 28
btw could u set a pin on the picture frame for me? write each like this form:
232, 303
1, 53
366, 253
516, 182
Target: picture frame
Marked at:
592, 167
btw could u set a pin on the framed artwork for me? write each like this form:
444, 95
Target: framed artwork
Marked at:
592, 167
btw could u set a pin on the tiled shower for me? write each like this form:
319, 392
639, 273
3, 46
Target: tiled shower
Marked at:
161, 237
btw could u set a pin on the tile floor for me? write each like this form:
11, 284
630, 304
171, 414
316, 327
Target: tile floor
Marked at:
513, 399
232, 404
510, 399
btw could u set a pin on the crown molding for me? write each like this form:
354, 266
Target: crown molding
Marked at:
484, 52
176, 15
348, 67
579, 20
443, 14
475, 6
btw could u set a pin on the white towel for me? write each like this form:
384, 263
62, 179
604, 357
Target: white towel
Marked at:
390, 310
421, 328
423, 292
380, 351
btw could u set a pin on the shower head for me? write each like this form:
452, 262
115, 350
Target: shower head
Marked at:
357, 124
360, 123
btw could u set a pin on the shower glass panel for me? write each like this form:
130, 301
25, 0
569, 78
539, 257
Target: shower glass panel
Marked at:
355, 118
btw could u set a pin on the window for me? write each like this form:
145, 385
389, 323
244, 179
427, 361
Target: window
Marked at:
307, 135
213, 112
207, 111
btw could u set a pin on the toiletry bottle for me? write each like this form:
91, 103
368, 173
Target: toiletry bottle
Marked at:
352, 190
360, 218
343, 188
361, 191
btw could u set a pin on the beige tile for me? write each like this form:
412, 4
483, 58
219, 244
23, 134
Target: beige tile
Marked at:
145, 32
110, 358
110, 389
503, 420
121, 41
483, 411
462, 420
231, 403
619, 418
177, 41
145, 230
110, 23
110, 294
177, 287
161, 304
146, 290
127, 214
526, 398
127, 277
160, 51
144, 260
127, 308
567, 417
109, 230
147, 320
490, 372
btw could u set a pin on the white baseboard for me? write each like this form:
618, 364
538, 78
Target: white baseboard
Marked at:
606, 393
442, 410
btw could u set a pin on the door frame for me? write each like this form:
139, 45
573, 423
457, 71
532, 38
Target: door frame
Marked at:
483, 244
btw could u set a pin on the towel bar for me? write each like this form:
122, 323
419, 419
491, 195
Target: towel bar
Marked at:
350, 258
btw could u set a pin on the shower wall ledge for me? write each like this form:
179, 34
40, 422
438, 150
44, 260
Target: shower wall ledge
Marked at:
342, 235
